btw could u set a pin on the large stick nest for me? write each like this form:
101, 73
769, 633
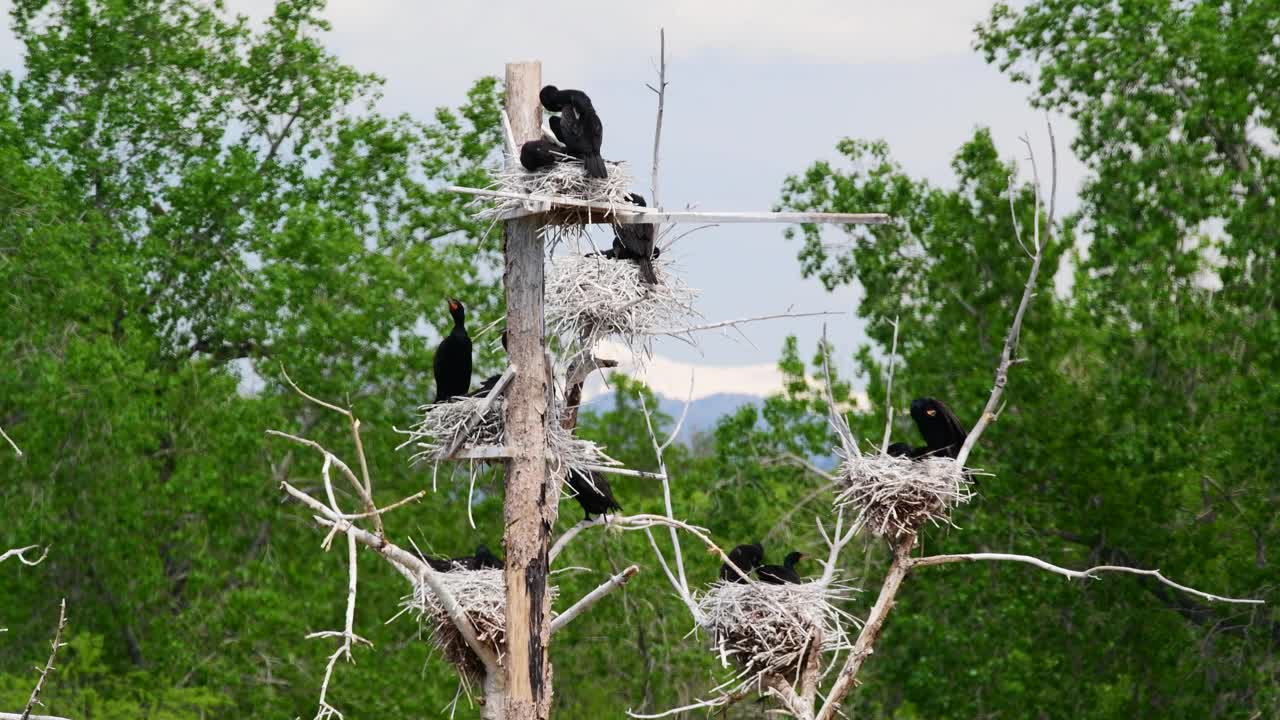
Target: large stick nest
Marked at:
564, 179
482, 596
593, 298
440, 424
894, 496
768, 629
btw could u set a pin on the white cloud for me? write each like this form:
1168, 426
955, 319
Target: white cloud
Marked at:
670, 378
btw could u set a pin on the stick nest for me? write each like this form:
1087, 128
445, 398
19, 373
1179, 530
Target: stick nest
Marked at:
564, 179
767, 629
441, 423
894, 496
482, 596
593, 298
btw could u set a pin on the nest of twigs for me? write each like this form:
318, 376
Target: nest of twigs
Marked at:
564, 179
440, 425
769, 629
482, 596
894, 496
590, 298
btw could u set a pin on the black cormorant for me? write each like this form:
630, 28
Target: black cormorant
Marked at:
592, 492
942, 431
483, 559
578, 126
539, 154
453, 357
781, 574
901, 449
635, 242
747, 557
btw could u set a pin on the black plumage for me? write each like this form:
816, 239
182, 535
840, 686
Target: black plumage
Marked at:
593, 493
900, 449
943, 434
484, 558
540, 154
747, 557
781, 574
452, 362
578, 126
636, 242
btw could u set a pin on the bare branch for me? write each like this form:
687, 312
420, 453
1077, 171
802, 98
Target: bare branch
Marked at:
661, 90
34, 700
409, 564
862, 648
348, 635
1092, 572
12, 444
740, 321
21, 554
1011, 340
722, 701
781, 689
888, 392
593, 597
666, 497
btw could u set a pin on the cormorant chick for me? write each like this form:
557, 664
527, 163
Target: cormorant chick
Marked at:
781, 574
578, 126
538, 154
746, 557
635, 242
942, 431
900, 449
484, 558
597, 500
452, 362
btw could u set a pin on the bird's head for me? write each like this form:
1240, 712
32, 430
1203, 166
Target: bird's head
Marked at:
548, 97
456, 309
486, 558
638, 199
924, 407
793, 558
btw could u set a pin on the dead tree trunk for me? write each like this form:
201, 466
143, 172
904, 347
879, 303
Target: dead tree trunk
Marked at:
531, 494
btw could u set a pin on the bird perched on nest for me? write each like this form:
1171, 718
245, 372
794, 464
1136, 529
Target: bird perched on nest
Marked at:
781, 574
747, 557
578, 126
592, 492
942, 431
900, 449
452, 363
484, 558
541, 154
636, 242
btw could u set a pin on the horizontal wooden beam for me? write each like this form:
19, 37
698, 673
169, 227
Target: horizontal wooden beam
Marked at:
566, 210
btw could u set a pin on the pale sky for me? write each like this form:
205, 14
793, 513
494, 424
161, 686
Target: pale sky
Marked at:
758, 90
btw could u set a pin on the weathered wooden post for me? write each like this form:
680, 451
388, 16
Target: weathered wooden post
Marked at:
531, 494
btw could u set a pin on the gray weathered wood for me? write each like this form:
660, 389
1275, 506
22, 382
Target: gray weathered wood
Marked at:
562, 210
531, 495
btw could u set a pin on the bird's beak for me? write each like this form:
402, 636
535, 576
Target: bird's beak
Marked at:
930, 412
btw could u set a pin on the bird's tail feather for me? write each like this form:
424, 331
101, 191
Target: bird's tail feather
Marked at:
595, 166
646, 271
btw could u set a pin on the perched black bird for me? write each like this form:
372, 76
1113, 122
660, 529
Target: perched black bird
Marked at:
539, 154
942, 431
901, 449
453, 357
747, 557
484, 558
635, 242
578, 126
593, 493
781, 574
